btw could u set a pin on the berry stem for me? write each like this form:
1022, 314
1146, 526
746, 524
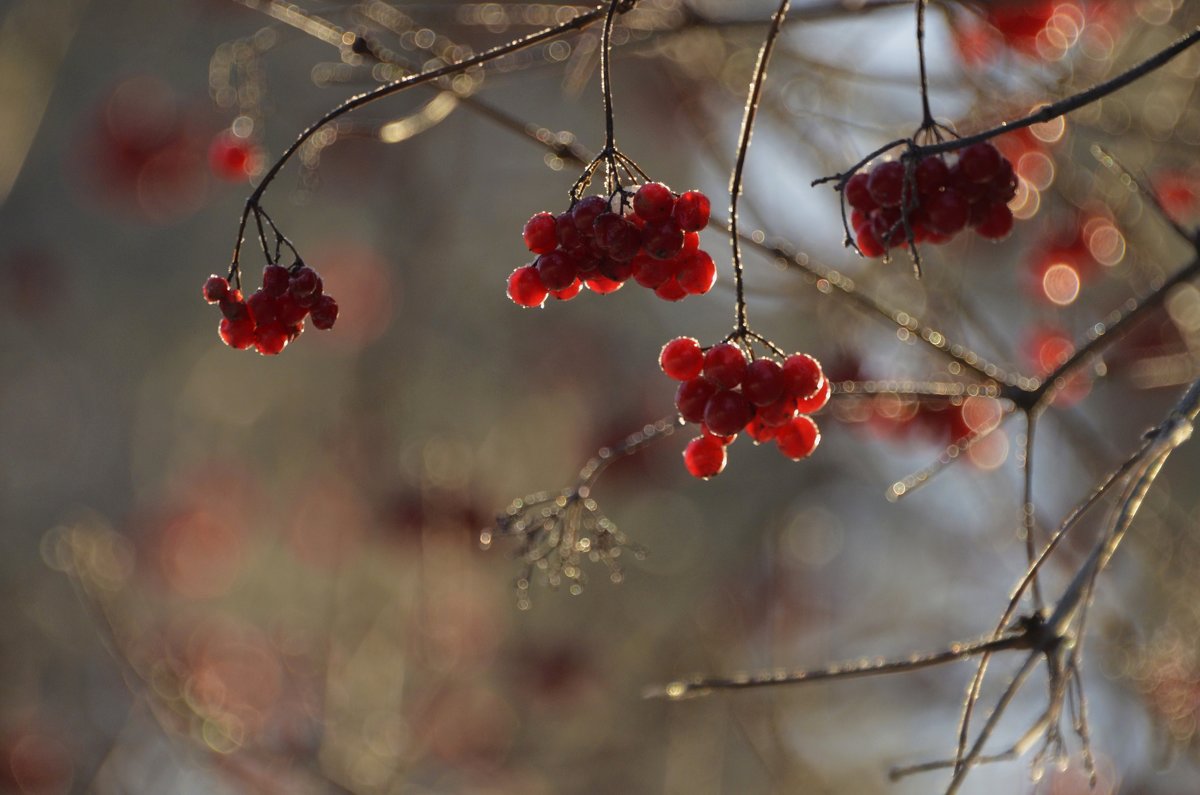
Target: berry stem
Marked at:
610, 137
735, 182
927, 121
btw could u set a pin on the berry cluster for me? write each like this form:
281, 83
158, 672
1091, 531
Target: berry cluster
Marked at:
274, 315
937, 203
726, 391
656, 244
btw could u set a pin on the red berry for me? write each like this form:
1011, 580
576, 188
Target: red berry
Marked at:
691, 242
325, 313
931, 175
263, 307
586, 211
691, 398
215, 288
725, 365
727, 412
541, 233
602, 285
616, 271
858, 194
525, 287
726, 440
662, 241
811, 405
651, 272
778, 413
980, 162
304, 282
802, 375
759, 431
886, 226
704, 457
697, 273
618, 238
681, 359
996, 223
1003, 186
947, 212
237, 333
567, 233
671, 290
798, 438
276, 280
568, 292
692, 210
867, 244
556, 270
289, 310
886, 183
764, 382
654, 202
271, 338
233, 307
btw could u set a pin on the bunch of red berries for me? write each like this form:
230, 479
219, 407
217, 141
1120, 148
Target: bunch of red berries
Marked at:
726, 391
274, 315
656, 244
936, 204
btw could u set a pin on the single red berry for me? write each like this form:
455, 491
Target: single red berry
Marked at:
704, 457
654, 202
725, 365
931, 175
215, 288
759, 431
270, 338
697, 273
764, 382
867, 244
567, 233
568, 292
947, 212
886, 183
289, 310
233, 307
802, 375
691, 242
263, 307
980, 162
616, 270
691, 398
1003, 186
662, 241
525, 287
276, 280
304, 281
692, 210
556, 270
541, 233
859, 219
811, 405
996, 223
325, 313
671, 290
602, 285
311, 299
237, 333
727, 412
618, 238
586, 211
778, 413
650, 272
858, 194
681, 359
798, 438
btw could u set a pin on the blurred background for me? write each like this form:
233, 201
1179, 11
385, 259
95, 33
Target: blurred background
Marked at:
231, 573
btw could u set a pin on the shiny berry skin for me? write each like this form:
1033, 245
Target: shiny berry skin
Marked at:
671, 290
215, 288
725, 365
947, 212
654, 202
555, 270
980, 162
289, 310
798, 438
996, 223
525, 287
931, 175
778, 413
662, 241
886, 183
858, 194
325, 313
602, 285
691, 398
567, 233
541, 233
726, 439
276, 280
263, 307
650, 272
763, 383
303, 282
816, 402
727, 412
802, 375
759, 431
270, 339
615, 236
586, 211
697, 273
681, 359
568, 292
233, 307
310, 300
237, 334
704, 457
864, 238
692, 210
